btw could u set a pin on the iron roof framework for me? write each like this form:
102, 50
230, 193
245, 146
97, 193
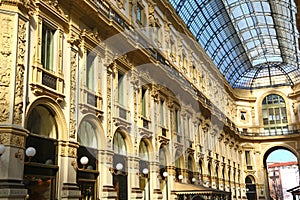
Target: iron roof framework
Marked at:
254, 43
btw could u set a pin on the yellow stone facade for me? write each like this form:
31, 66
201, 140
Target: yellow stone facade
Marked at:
135, 76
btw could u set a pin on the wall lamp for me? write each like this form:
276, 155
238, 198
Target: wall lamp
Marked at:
83, 160
193, 180
165, 174
144, 173
180, 177
29, 152
117, 170
2, 149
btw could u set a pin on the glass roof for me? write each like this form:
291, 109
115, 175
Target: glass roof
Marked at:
254, 43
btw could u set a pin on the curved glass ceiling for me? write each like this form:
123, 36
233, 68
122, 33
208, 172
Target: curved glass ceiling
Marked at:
254, 43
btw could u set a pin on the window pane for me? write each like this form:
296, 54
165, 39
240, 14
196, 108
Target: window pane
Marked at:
120, 88
90, 72
47, 48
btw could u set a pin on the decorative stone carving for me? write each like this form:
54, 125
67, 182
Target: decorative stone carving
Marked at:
73, 93
19, 81
6, 57
108, 81
12, 140
151, 18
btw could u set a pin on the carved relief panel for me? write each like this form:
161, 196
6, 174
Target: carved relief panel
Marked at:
6, 60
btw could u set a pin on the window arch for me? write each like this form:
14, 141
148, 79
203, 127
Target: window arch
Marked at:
87, 135
162, 156
143, 151
274, 115
190, 169
41, 121
119, 144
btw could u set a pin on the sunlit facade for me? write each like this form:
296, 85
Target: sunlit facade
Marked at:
140, 100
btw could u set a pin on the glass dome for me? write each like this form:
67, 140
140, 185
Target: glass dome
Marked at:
253, 43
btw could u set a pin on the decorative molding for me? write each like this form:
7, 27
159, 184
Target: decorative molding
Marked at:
163, 140
145, 133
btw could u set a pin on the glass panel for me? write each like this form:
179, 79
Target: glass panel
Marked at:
39, 188
90, 71
120, 88
42, 122
119, 144
143, 151
248, 36
274, 114
162, 157
87, 135
47, 47
144, 106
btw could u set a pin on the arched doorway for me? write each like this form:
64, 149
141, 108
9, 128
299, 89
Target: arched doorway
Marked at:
250, 188
281, 172
163, 171
40, 166
144, 169
120, 166
87, 174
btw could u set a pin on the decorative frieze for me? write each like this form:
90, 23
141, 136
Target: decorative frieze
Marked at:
11, 139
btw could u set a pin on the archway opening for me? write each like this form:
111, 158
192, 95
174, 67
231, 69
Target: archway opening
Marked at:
282, 172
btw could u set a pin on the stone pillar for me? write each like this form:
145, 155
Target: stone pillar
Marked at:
67, 154
134, 191
13, 44
106, 188
12, 163
155, 192
170, 182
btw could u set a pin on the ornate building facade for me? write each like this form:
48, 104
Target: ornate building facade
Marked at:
117, 100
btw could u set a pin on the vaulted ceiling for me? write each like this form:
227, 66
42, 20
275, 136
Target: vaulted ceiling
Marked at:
254, 43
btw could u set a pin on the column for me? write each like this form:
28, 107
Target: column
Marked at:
134, 191
12, 163
67, 154
155, 192
106, 188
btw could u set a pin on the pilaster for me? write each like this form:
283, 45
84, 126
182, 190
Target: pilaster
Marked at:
12, 163
67, 158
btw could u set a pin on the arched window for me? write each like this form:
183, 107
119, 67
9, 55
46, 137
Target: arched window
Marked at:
162, 157
190, 169
41, 122
119, 144
87, 135
178, 159
274, 115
